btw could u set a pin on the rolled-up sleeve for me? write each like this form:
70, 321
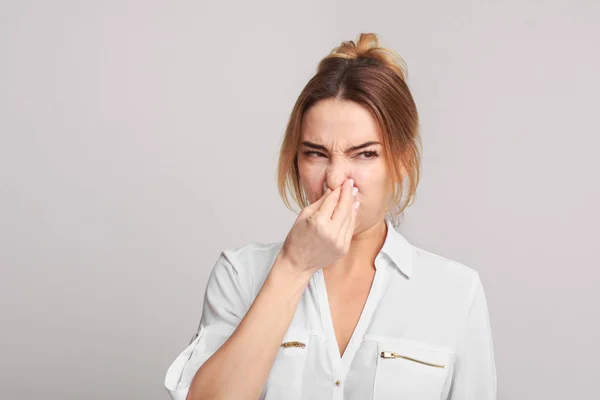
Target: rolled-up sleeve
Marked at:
475, 370
225, 304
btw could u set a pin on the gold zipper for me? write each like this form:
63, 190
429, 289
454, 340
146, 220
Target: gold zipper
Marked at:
391, 354
293, 344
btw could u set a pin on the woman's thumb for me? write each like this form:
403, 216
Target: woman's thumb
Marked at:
314, 206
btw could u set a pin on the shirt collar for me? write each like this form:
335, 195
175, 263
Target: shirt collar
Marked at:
397, 249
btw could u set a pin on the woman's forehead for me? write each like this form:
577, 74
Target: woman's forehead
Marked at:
339, 123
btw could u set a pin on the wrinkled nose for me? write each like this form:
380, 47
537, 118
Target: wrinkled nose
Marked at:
336, 172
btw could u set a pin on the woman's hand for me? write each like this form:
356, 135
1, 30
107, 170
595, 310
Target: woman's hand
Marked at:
323, 230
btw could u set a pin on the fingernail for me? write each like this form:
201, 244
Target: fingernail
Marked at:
356, 205
351, 182
354, 191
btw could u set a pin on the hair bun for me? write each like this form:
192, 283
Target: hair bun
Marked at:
367, 47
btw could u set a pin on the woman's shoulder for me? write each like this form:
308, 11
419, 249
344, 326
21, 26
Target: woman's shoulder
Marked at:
438, 267
254, 252
251, 261
445, 282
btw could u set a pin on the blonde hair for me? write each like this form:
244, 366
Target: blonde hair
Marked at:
375, 77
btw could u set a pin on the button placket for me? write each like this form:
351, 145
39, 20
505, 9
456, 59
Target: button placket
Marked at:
338, 390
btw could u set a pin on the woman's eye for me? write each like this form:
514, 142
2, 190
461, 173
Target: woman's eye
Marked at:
369, 154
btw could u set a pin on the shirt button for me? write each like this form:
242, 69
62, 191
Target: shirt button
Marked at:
337, 383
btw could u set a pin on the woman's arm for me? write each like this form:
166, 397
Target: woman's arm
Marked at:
235, 349
240, 367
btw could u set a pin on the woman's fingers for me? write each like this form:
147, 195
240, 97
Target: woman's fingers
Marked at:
344, 206
348, 228
328, 205
312, 208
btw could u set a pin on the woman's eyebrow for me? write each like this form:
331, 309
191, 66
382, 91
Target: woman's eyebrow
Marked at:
348, 150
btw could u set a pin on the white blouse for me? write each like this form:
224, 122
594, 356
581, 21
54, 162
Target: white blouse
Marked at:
424, 332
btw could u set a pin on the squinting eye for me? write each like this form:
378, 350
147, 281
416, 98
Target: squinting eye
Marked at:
369, 154
309, 153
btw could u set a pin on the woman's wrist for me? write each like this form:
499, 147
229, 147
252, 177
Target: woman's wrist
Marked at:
286, 272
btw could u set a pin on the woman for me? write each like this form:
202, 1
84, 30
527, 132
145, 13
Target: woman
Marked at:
345, 307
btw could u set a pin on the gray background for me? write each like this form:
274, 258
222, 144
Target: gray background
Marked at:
140, 138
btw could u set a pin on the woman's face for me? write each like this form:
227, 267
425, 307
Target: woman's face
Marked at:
340, 140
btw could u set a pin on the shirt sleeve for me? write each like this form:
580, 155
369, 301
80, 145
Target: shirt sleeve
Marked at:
225, 304
475, 369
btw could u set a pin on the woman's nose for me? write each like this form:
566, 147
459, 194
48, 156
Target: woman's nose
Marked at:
339, 182
336, 173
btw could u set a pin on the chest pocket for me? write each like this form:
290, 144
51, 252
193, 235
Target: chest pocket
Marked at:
285, 378
408, 369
